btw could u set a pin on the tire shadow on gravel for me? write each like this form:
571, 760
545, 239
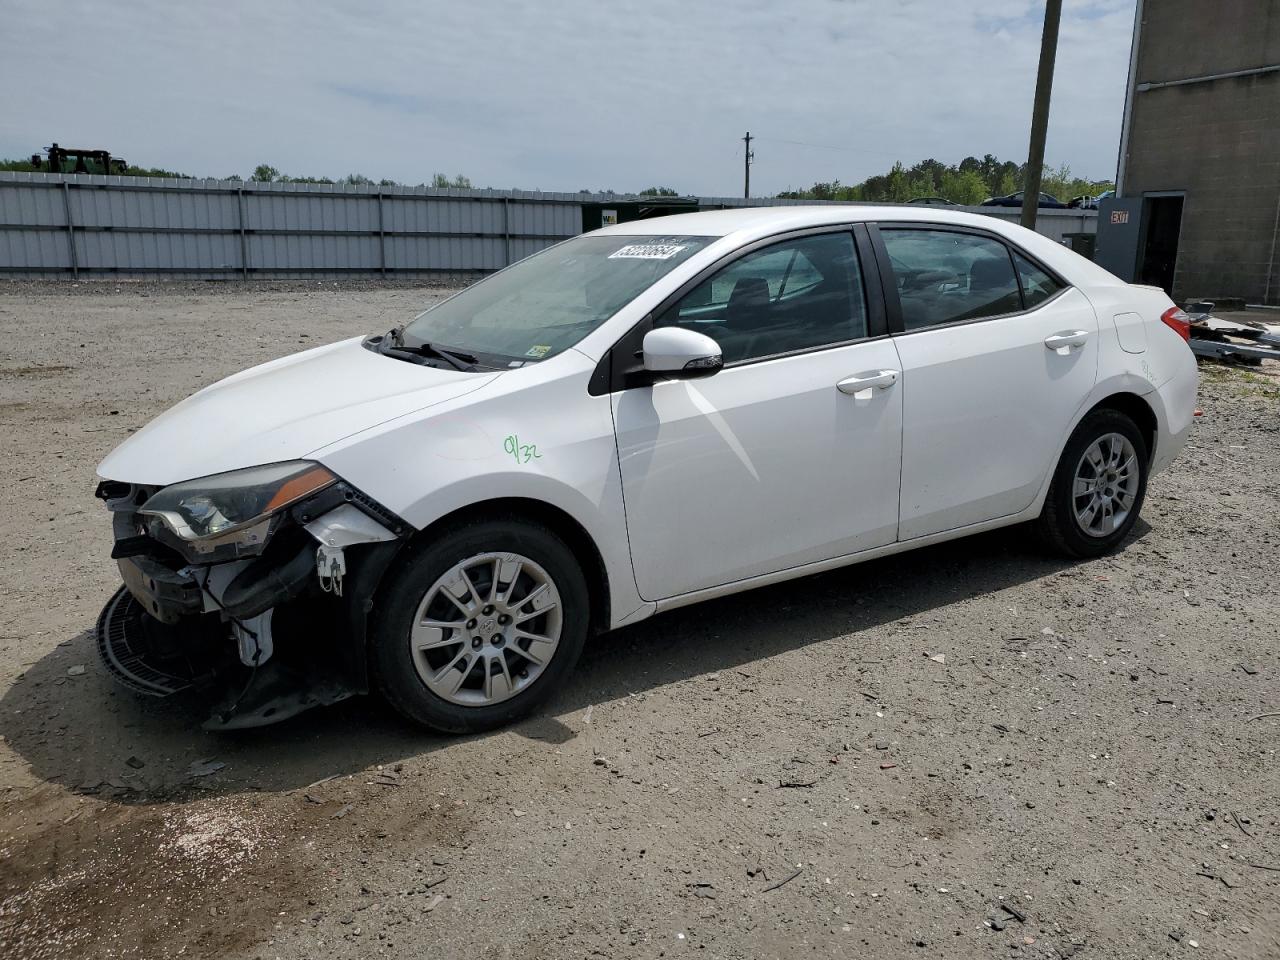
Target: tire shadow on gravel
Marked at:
84, 732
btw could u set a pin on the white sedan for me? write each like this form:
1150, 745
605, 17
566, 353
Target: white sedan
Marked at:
632, 420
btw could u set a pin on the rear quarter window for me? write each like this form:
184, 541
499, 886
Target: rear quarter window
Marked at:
1037, 286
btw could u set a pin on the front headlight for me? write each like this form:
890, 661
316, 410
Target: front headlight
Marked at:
229, 515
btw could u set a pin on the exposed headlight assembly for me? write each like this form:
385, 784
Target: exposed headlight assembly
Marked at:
231, 515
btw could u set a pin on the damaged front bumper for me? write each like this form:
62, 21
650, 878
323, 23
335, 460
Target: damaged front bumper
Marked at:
262, 637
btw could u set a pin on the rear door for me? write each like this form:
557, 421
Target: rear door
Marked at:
997, 355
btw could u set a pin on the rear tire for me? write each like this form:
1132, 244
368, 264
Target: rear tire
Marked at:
1098, 487
480, 626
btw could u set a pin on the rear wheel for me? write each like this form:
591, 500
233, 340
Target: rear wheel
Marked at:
1098, 488
481, 626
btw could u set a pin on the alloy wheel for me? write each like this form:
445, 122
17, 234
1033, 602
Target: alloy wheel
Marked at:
1105, 487
486, 629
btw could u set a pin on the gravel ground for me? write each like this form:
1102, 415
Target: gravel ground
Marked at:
968, 751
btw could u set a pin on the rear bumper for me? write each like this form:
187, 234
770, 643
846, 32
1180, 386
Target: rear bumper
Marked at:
1168, 447
1175, 410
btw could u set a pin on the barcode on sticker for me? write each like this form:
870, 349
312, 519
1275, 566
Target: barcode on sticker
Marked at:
647, 251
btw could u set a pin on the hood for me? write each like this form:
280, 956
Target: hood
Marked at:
282, 410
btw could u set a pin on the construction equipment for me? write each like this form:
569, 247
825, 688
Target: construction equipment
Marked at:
75, 160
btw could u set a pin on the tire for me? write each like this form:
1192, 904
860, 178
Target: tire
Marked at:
420, 631
1060, 526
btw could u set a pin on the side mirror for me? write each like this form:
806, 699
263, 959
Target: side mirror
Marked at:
680, 353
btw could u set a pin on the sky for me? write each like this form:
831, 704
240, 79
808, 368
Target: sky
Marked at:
564, 95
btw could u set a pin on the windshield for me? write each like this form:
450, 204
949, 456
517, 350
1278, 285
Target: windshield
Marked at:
548, 302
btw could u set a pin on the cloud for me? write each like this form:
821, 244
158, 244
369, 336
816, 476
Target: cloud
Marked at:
400, 102
561, 96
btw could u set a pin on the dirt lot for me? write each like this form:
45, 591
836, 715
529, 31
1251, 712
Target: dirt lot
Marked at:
969, 751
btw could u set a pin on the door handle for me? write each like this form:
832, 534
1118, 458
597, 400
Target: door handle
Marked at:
883, 379
1061, 343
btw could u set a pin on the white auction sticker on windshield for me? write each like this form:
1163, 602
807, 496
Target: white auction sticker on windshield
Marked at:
647, 251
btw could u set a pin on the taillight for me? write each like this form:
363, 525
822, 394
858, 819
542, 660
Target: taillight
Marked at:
1177, 320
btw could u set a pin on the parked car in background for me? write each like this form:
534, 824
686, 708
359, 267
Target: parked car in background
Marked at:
1090, 203
639, 418
934, 202
1015, 200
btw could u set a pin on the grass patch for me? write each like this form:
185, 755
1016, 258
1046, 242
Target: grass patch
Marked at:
1250, 380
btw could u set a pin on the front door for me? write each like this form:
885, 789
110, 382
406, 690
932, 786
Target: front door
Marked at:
787, 456
997, 357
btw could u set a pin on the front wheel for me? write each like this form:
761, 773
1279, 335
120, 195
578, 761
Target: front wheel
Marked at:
1098, 487
480, 626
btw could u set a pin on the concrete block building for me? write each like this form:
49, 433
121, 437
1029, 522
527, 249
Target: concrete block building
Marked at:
1198, 208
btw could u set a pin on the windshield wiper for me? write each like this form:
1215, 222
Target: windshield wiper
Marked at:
394, 341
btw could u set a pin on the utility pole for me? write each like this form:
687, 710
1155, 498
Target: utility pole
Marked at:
747, 157
1040, 113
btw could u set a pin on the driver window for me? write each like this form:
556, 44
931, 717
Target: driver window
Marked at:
795, 295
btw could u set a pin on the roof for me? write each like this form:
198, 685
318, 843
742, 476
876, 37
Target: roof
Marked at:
765, 220
744, 225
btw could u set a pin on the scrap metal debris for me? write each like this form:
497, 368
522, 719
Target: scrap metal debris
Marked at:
204, 768
784, 881
1227, 340
1014, 912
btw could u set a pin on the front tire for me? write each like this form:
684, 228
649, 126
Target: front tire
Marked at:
480, 626
1098, 487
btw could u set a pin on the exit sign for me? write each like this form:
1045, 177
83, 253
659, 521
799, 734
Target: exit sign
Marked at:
1119, 216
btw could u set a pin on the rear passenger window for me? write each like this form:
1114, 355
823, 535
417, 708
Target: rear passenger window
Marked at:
1037, 286
944, 277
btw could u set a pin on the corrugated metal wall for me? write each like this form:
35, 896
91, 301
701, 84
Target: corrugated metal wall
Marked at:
88, 225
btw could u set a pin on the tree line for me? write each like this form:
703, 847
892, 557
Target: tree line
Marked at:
265, 173
968, 182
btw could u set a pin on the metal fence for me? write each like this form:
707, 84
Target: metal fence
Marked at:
88, 226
